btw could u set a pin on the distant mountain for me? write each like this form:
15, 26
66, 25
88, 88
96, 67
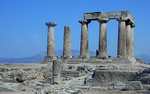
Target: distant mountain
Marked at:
74, 53
33, 59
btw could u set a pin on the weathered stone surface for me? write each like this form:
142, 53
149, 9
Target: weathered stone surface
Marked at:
84, 39
67, 43
70, 73
144, 76
105, 78
122, 39
110, 15
99, 91
22, 74
56, 71
134, 85
130, 41
74, 78
103, 39
51, 39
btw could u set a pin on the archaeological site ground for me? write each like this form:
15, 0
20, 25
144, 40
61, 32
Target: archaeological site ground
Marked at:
83, 74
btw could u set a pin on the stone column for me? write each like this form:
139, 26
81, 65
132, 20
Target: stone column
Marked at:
121, 51
103, 39
50, 41
130, 40
84, 39
67, 43
56, 71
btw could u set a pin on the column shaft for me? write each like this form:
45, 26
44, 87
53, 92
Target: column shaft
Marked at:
67, 43
103, 40
130, 40
84, 40
122, 39
50, 41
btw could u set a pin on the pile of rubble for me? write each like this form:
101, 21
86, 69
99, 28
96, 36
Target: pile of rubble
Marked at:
82, 78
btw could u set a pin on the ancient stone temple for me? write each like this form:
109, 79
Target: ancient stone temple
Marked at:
125, 45
84, 73
125, 32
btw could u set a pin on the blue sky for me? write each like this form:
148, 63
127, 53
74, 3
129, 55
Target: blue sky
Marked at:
23, 31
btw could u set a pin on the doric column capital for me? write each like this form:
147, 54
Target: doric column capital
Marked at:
84, 21
132, 25
128, 22
51, 24
121, 20
66, 28
103, 20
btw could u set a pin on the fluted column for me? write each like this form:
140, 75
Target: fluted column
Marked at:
50, 41
67, 43
121, 51
103, 39
130, 40
84, 39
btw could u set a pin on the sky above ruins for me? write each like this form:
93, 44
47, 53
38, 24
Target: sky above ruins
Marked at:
23, 32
